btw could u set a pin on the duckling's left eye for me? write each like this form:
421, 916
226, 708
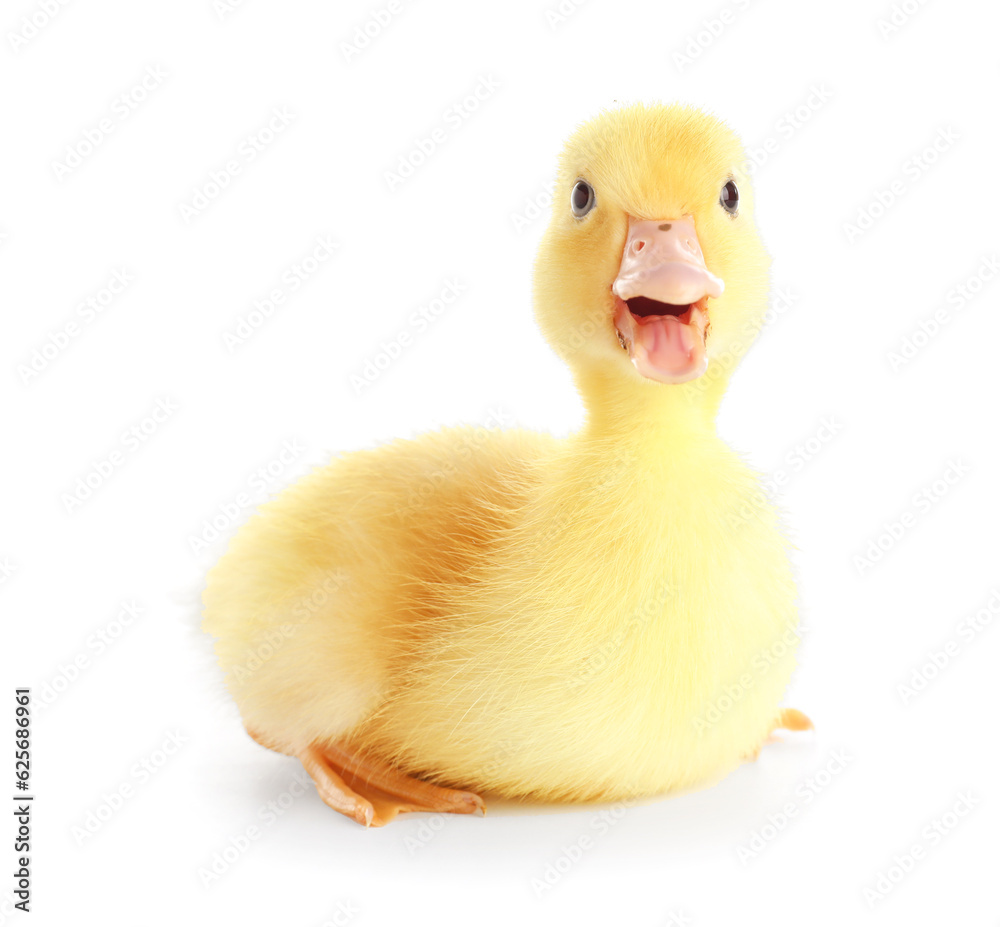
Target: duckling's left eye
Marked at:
582, 199
729, 198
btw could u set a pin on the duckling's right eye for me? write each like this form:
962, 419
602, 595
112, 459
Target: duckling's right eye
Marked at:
582, 199
729, 198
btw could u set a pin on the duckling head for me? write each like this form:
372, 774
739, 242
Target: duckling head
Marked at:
651, 280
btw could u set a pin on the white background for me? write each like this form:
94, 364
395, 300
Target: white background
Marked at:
869, 102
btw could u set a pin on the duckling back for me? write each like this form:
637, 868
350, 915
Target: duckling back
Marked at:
323, 592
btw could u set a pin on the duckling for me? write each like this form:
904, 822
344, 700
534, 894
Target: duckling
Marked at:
598, 618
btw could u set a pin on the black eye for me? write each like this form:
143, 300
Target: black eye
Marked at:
582, 199
729, 198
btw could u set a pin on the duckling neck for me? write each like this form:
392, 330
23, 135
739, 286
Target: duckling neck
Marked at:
638, 413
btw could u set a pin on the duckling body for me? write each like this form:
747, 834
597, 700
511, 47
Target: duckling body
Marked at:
597, 618
581, 631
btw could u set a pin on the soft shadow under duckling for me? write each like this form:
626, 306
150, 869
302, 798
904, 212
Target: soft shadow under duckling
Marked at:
590, 619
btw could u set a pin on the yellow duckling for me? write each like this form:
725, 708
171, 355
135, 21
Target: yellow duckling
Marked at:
597, 618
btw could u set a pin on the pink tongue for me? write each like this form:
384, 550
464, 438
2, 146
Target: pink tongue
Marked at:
668, 350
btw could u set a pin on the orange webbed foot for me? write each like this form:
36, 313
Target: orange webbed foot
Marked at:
789, 719
372, 792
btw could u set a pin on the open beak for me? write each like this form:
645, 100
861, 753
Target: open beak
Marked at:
661, 296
